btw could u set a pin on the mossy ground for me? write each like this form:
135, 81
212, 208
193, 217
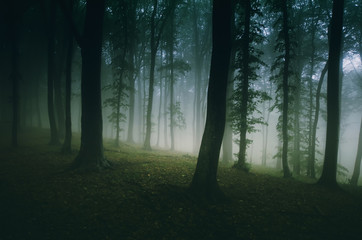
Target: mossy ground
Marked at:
144, 196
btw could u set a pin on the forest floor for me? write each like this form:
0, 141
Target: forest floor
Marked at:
144, 196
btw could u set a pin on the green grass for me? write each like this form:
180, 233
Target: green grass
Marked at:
144, 197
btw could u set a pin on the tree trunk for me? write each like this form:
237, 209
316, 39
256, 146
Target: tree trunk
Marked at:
311, 161
357, 164
67, 145
58, 101
245, 89
159, 109
172, 104
54, 137
204, 180
197, 119
286, 170
132, 76
266, 127
328, 177
131, 109
227, 145
296, 150
147, 143
90, 155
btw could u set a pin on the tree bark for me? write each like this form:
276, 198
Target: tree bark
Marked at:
67, 144
286, 170
311, 161
54, 136
241, 164
328, 177
204, 180
172, 103
91, 155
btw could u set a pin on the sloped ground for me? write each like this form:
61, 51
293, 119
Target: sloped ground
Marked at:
144, 197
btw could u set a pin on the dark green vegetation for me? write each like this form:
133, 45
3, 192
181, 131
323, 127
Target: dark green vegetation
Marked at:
144, 196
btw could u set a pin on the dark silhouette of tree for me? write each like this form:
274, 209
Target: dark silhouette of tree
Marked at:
286, 170
67, 144
14, 18
157, 27
90, 156
311, 161
328, 177
204, 180
54, 135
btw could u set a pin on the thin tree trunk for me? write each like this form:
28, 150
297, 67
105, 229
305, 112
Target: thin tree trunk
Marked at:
54, 137
227, 145
68, 91
147, 143
266, 128
159, 111
311, 161
245, 88
296, 150
172, 104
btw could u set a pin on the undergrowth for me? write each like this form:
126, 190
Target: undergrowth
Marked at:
144, 196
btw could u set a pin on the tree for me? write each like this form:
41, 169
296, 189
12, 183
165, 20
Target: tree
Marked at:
67, 144
14, 20
248, 62
286, 170
328, 177
157, 27
90, 156
204, 179
311, 161
54, 135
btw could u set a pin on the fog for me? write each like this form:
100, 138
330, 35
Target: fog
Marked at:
126, 55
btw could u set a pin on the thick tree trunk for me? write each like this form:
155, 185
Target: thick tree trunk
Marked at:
357, 164
204, 180
90, 155
328, 177
286, 170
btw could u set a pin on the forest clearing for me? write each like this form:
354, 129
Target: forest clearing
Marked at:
144, 196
